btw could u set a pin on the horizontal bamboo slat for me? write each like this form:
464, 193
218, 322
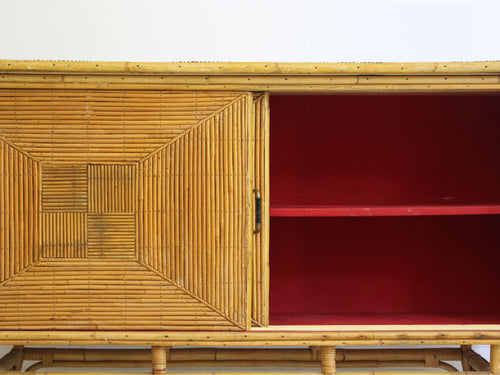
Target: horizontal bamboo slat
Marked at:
111, 235
64, 187
193, 210
133, 298
19, 210
100, 125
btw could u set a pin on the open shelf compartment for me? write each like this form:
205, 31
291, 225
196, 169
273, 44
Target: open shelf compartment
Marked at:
369, 155
385, 270
385, 209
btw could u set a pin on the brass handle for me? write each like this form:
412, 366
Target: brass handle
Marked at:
258, 216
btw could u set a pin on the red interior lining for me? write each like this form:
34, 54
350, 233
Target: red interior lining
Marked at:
368, 151
427, 269
385, 150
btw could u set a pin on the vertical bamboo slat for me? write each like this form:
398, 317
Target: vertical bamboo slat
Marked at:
203, 184
19, 187
64, 235
260, 259
118, 185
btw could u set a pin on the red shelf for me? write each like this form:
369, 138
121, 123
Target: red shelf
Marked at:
383, 318
406, 210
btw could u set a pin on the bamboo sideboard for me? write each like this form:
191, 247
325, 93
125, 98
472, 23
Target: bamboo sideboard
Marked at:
249, 215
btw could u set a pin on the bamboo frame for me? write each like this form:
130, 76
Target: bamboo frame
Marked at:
242, 68
269, 336
268, 77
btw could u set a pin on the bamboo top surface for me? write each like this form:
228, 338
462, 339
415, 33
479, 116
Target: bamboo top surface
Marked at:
252, 68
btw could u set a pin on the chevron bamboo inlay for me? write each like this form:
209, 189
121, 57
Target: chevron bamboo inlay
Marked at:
100, 125
100, 294
193, 210
124, 209
19, 210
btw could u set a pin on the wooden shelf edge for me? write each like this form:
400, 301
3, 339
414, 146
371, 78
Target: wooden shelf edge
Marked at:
406, 210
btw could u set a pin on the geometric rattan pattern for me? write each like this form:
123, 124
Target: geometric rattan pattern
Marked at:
120, 295
89, 239
100, 125
19, 210
195, 193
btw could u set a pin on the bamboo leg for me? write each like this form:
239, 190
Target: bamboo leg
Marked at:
19, 363
160, 359
495, 359
12, 360
465, 357
328, 360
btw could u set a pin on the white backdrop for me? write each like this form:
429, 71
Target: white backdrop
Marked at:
251, 30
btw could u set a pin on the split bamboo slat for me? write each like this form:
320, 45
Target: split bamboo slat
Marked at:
19, 210
260, 259
111, 188
100, 294
64, 235
111, 235
64, 187
197, 190
100, 125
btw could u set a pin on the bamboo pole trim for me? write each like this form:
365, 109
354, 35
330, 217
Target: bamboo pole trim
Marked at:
238, 68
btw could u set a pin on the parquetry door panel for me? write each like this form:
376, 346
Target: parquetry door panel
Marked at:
125, 209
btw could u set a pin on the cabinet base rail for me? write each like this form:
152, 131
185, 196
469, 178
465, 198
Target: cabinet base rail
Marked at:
313, 360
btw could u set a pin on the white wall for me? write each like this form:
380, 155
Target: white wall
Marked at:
251, 30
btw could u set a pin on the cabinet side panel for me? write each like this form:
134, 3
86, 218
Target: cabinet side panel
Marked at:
260, 257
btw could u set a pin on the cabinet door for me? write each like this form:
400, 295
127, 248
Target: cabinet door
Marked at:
127, 210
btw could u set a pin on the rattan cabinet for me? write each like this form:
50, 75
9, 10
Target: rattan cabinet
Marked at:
295, 205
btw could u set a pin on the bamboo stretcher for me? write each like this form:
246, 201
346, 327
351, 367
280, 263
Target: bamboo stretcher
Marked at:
325, 358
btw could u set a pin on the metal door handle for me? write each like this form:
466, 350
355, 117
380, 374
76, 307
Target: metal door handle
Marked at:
258, 216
